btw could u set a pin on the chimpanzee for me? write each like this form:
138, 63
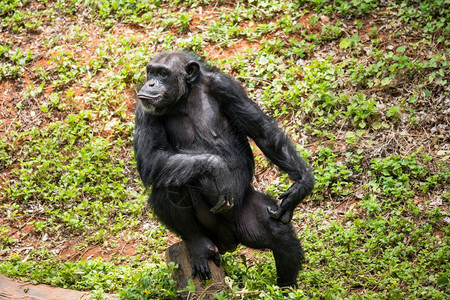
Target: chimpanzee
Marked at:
191, 146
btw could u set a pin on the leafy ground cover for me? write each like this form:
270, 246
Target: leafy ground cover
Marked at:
361, 86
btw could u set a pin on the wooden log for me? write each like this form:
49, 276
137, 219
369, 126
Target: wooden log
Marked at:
179, 254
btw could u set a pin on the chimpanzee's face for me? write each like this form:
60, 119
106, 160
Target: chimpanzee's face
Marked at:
168, 76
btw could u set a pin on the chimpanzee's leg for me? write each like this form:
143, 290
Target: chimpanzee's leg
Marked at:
256, 229
176, 210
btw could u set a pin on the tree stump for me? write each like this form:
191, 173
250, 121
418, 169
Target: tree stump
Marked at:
179, 254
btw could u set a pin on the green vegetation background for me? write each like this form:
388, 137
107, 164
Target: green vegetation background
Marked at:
361, 86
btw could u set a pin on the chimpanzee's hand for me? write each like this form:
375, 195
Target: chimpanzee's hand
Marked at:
290, 199
225, 203
224, 189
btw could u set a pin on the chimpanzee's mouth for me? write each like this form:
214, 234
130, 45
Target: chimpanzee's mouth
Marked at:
152, 104
152, 98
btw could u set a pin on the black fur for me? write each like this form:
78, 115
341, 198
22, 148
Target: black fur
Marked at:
191, 146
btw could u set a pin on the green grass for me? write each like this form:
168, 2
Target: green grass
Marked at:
360, 86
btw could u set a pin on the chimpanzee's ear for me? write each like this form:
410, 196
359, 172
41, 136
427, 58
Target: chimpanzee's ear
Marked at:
192, 70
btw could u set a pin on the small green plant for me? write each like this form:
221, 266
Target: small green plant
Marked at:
361, 110
5, 238
12, 63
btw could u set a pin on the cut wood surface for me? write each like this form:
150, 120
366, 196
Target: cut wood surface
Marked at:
179, 254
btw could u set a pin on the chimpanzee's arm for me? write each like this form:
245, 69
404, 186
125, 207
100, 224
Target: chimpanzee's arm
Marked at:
162, 166
269, 138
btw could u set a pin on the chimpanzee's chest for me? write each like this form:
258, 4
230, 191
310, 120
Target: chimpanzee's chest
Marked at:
180, 131
201, 132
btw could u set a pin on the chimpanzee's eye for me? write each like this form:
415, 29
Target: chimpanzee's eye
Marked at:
162, 73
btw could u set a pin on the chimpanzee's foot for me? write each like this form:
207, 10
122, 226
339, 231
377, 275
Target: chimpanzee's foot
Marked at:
201, 250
